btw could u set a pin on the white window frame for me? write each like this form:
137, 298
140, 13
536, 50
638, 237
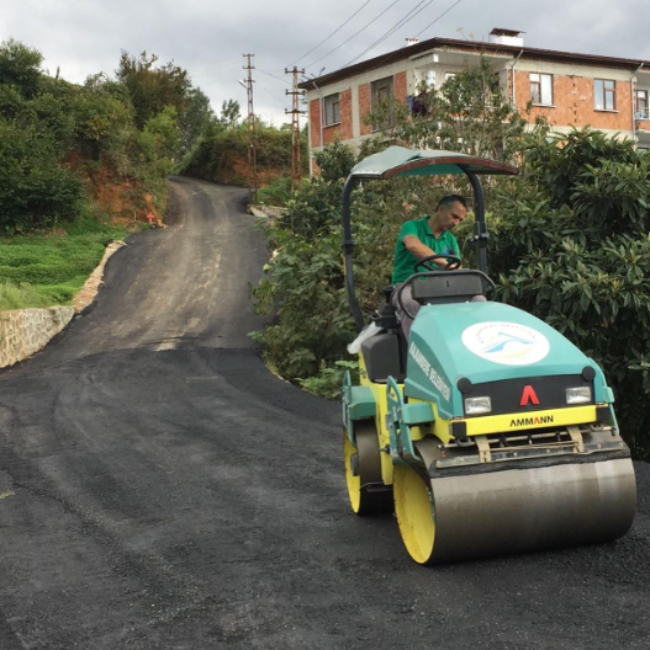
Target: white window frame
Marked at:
641, 113
545, 91
332, 107
377, 87
603, 93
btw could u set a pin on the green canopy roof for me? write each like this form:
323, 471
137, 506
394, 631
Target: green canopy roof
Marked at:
399, 161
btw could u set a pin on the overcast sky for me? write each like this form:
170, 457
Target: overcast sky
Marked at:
208, 38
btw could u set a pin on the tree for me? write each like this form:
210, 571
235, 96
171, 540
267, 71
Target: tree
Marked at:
20, 66
35, 190
102, 115
470, 112
153, 88
230, 113
198, 114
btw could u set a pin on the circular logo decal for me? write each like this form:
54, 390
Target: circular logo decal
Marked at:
508, 343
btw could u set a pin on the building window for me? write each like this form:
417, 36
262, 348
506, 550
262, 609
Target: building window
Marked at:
604, 95
332, 110
381, 92
541, 89
449, 75
641, 108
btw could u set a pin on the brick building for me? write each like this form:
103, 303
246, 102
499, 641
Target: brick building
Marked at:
608, 93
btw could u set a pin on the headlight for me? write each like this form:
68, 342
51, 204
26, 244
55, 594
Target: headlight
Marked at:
578, 395
477, 405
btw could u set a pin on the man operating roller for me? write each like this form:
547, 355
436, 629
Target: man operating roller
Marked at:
421, 238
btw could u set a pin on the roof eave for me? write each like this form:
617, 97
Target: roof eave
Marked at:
423, 46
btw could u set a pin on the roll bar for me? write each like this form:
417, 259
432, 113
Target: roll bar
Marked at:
348, 244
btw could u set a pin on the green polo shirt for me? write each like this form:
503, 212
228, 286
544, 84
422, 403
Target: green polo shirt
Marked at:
404, 261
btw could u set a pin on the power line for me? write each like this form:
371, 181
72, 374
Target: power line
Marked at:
270, 94
446, 11
409, 16
355, 34
332, 34
232, 58
284, 81
225, 63
211, 70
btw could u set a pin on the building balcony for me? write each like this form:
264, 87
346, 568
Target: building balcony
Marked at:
642, 122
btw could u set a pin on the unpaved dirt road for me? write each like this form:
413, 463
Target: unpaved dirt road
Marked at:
160, 489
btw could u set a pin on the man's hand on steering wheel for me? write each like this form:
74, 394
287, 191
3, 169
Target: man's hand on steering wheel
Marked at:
453, 263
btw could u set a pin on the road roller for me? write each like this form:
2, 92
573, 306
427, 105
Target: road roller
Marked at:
486, 432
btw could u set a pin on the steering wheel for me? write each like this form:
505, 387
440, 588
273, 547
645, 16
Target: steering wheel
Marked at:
454, 263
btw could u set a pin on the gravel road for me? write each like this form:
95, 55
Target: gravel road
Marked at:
160, 489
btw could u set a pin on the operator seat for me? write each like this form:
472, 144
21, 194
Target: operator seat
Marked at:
385, 354
439, 288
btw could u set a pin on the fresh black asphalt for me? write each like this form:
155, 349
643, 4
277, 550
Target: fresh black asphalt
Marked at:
161, 489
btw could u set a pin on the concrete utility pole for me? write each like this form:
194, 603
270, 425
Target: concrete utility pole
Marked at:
296, 172
252, 148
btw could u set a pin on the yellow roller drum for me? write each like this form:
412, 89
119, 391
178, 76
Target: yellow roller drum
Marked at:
367, 493
353, 482
511, 510
415, 514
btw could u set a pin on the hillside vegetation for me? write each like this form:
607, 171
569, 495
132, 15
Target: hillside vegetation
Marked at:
83, 164
221, 154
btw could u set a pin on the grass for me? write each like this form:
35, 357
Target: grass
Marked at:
49, 268
277, 193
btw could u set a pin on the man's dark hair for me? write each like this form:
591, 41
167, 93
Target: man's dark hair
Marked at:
450, 199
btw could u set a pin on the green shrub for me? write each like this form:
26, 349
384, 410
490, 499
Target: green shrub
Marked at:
35, 189
19, 296
221, 147
100, 121
571, 246
20, 66
303, 286
277, 193
327, 383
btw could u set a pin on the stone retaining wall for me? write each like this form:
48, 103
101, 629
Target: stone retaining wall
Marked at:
267, 211
25, 331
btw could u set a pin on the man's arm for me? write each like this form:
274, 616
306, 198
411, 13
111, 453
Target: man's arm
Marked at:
416, 247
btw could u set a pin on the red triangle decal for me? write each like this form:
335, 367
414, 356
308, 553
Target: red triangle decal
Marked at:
528, 396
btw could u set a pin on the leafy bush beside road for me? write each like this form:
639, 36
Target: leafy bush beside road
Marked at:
572, 247
568, 242
303, 283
